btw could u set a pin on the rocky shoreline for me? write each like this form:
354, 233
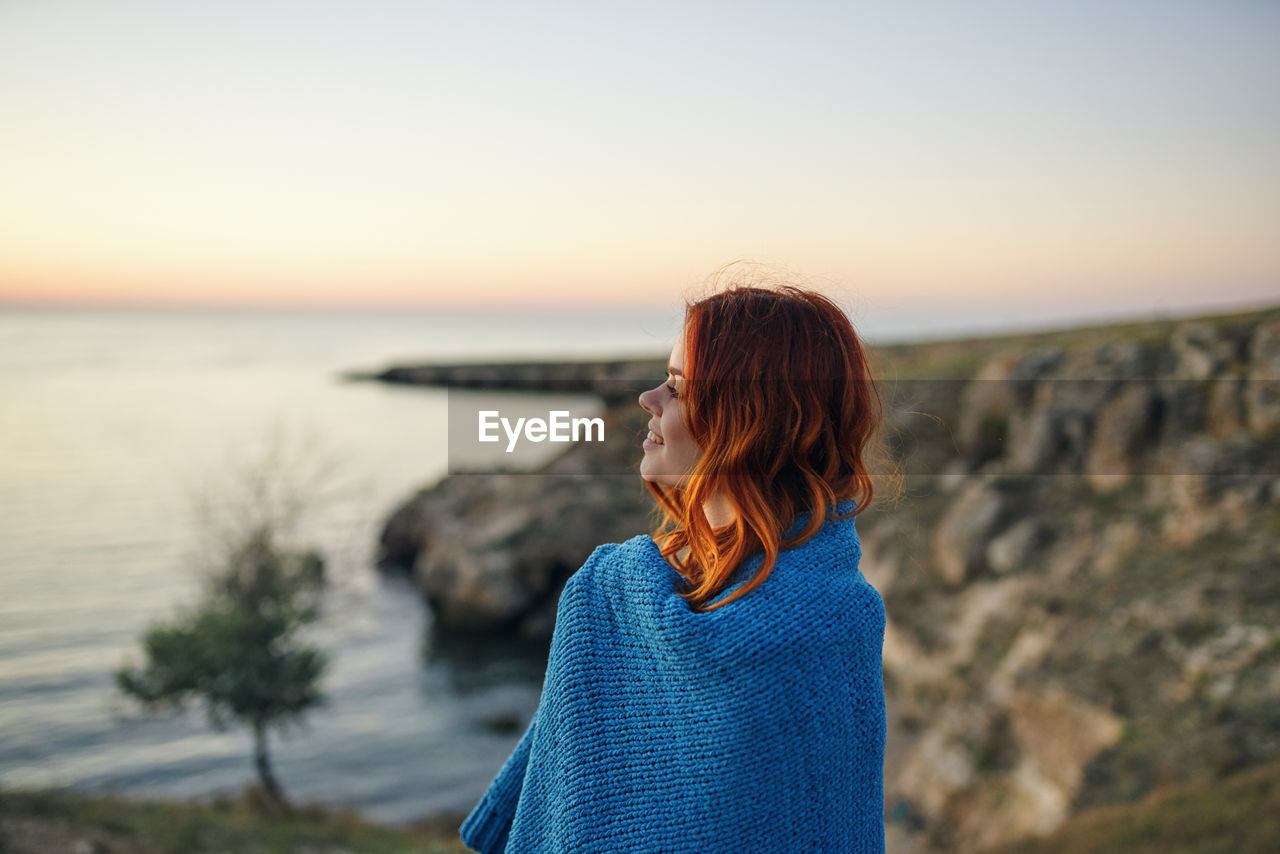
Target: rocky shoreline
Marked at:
1081, 575
490, 552
607, 379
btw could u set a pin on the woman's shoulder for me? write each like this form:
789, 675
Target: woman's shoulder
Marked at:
608, 561
640, 549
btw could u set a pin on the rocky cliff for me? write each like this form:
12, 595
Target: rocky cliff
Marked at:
1082, 574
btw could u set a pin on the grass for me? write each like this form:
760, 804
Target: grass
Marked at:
959, 357
1238, 815
39, 821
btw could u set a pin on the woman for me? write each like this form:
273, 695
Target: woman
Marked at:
717, 686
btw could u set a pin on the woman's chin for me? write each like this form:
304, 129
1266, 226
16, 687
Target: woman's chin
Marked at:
649, 471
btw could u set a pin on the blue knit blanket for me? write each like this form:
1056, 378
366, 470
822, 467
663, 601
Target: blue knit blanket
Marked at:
757, 727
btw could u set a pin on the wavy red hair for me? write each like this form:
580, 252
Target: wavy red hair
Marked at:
779, 396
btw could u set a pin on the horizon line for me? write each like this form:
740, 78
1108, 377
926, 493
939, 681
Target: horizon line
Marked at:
963, 330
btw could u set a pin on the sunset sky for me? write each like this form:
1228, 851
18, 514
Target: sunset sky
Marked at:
1083, 157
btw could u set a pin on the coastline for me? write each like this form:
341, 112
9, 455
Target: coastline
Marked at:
1088, 519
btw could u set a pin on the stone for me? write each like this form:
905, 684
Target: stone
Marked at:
1226, 409
1199, 351
1125, 427
986, 404
1262, 394
961, 538
1013, 548
1060, 733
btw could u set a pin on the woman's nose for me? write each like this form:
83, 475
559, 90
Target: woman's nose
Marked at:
645, 396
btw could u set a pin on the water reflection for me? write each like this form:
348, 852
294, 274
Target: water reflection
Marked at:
477, 662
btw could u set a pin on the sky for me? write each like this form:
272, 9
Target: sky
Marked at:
1042, 158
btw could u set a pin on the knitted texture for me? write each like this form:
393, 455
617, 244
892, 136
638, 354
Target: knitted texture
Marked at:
757, 727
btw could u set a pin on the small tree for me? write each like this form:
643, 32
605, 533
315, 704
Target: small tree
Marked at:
238, 651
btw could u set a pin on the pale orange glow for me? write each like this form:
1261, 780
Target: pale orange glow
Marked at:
205, 157
982, 270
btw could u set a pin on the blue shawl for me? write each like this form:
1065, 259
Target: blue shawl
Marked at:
759, 726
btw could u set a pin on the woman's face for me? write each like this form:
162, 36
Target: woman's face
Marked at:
669, 451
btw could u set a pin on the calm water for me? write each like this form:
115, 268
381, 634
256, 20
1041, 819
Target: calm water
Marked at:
110, 421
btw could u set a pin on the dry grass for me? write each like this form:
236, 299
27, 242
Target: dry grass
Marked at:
36, 822
1239, 815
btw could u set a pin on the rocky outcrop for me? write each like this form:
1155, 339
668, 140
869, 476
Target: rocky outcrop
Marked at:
614, 381
1262, 398
1082, 577
490, 552
1078, 609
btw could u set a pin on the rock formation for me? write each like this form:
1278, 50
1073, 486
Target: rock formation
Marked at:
1082, 575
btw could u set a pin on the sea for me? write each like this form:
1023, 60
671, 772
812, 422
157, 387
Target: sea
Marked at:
127, 440
127, 437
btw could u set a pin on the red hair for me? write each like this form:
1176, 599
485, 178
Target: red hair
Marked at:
779, 396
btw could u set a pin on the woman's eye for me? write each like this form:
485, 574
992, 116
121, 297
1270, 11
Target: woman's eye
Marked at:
672, 389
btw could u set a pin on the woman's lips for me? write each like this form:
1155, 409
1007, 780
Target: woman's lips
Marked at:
653, 440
